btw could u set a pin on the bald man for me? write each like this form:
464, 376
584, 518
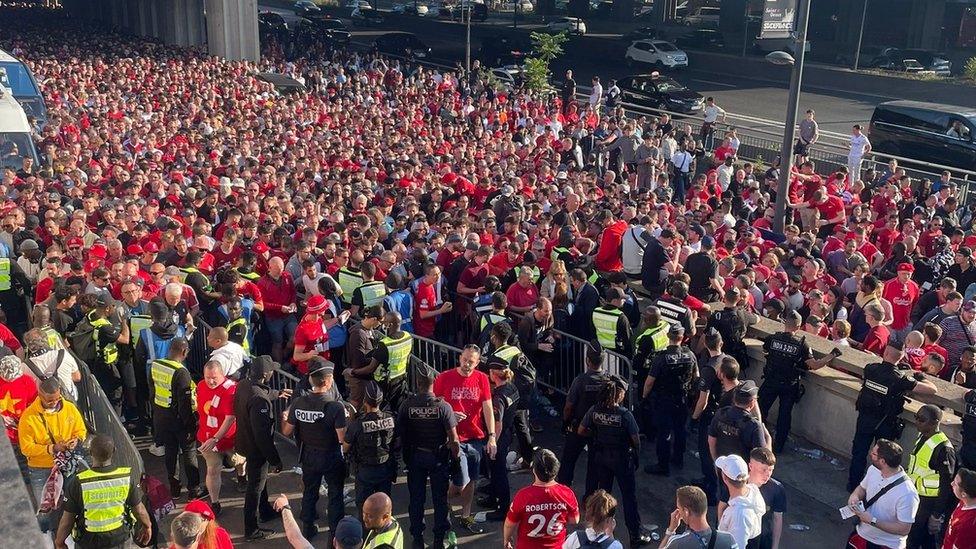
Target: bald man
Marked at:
230, 355
384, 530
278, 289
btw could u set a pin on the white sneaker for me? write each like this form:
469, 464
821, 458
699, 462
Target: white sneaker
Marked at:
348, 496
323, 490
512, 461
157, 450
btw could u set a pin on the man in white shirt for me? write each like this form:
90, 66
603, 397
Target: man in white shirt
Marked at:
43, 362
743, 516
596, 93
681, 160
229, 354
712, 113
889, 518
860, 146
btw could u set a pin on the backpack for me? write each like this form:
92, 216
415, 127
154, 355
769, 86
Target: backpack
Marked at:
82, 342
602, 541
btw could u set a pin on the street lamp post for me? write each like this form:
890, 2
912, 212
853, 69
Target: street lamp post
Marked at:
860, 35
786, 153
466, 6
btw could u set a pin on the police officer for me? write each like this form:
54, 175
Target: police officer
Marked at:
670, 378
583, 394
710, 390
505, 399
100, 503
369, 446
105, 354
318, 422
368, 294
880, 402
390, 360
614, 452
173, 397
653, 339
523, 379
611, 324
426, 428
737, 429
967, 453
732, 322
931, 467
788, 357
673, 309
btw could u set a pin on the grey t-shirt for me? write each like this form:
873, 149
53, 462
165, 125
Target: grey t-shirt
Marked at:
808, 130
699, 540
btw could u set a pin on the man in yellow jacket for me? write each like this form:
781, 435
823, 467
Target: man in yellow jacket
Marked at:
49, 425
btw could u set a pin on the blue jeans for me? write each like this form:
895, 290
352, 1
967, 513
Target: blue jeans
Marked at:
38, 476
281, 329
473, 450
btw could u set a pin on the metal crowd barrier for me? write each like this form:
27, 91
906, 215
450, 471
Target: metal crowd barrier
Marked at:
199, 352
280, 381
437, 355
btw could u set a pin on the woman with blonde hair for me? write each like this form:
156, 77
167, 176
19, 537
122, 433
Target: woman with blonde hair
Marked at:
598, 513
557, 273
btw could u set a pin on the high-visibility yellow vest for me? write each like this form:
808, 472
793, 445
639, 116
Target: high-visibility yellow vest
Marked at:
605, 322
53, 338
392, 537
349, 280
372, 292
658, 334
162, 372
491, 319
925, 479
4, 273
593, 278
104, 496
556, 252
507, 353
241, 322
397, 356
110, 352
249, 275
186, 271
533, 271
138, 323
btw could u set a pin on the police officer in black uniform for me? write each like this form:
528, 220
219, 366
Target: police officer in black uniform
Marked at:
318, 422
738, 429
670, 379
880, 402
732, 322
709, 393
673, 309
614, 452
426, 428
788, 357
967, 452
583, 394
505, 405
369, 446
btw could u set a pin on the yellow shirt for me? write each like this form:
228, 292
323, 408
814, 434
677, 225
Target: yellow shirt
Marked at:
35, 442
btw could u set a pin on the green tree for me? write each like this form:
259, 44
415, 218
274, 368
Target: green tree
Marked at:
970, 69
545, 48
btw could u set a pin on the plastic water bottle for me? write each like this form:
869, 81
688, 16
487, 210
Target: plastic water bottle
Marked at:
450, 541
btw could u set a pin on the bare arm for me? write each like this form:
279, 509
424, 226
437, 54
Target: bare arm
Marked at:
777, 529
925, 387
292, 530
700, 405
508, 535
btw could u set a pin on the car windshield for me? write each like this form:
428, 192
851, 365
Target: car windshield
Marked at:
16, 77
14, 147
664, 46
667, 85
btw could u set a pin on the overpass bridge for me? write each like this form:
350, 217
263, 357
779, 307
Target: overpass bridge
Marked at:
227, 28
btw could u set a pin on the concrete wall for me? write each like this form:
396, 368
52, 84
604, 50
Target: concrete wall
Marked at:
232, 29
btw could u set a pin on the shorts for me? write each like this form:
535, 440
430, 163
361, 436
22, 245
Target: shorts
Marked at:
281, 329
459, 475
801, 148
472, 450
216, 458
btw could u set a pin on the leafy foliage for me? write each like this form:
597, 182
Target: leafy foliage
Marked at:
545, 48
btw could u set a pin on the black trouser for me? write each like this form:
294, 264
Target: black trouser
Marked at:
572, 448
423, 465
710, 486
787, 394
371, 479
869, 428
919, 536
316, 466
606, 464
394, 392
523, 434
500, 488
967, 456
670, 416
256, 495
180, 446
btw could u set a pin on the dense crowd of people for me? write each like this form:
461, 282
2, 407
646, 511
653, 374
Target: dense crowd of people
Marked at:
336, 232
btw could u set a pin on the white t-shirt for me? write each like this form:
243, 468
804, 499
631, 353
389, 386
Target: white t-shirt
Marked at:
858, 144
712, 113
230, 356
572, 540
900, 503
634, 242
48, 361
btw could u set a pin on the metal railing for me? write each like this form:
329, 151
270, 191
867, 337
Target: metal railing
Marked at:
101, 418
280, 381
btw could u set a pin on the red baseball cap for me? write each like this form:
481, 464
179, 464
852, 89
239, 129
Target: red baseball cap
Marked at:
906, 267
150, 248
133, 249
99, 251
201, 508
75, 241
260, 247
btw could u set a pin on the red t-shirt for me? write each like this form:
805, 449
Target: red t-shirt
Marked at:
608, 255
9, 339
15, 397
214, 405
961, 531
425, 300
225, 259
830, 209
308, 336
902, 297
542, 513
876, 340
466, 395
43, 290
522, 297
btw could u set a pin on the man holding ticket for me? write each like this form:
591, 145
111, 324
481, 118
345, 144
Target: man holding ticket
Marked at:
885, 501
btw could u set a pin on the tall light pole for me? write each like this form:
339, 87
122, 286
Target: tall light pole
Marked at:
466, 6
860, 35
793, 105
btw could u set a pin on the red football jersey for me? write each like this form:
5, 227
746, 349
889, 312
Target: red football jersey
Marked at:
542, 513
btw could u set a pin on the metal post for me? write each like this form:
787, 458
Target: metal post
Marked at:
860, 35
786, 153
467, 39
745, 31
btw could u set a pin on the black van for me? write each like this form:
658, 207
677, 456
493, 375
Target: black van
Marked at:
928, 132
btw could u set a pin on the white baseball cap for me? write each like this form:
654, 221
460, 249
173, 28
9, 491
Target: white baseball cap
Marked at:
733, 466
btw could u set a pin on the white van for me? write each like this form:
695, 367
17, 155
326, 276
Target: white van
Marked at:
15, 133
16, 77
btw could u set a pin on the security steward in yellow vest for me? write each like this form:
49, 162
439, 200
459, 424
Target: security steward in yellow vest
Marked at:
349, 280
14, 287
499, 302
390, 359
653, 339
104, 361
369, 293
102, 504
931, 467
238, 329
511, 357
384, 530
611, 325
172, 393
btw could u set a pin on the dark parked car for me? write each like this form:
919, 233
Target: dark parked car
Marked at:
929, 132
642, 33
701, 39
503, 51
402, 44
326, 27
366, 17
304, 7
930, 60
658, 92
479, 12
271, 22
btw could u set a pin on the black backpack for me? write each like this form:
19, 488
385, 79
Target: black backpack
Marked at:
602, 541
